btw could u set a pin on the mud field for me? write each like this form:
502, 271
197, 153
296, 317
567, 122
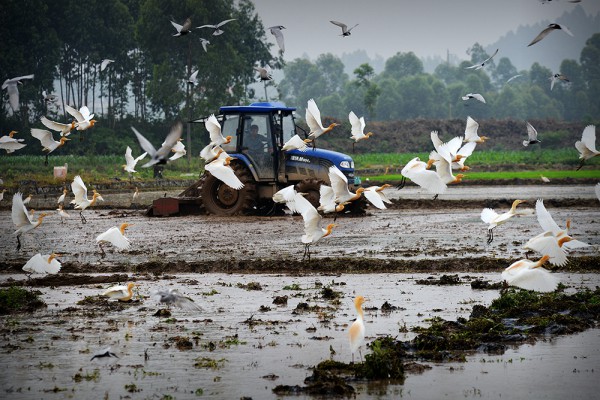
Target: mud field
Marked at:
242, 345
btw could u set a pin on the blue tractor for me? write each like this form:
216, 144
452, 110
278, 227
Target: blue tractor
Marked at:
258, 132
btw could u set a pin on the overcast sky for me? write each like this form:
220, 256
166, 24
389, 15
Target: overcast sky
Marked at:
425, 27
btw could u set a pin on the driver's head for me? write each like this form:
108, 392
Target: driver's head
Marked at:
254, 129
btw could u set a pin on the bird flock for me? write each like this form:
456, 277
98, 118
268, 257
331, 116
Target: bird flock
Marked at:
552, 244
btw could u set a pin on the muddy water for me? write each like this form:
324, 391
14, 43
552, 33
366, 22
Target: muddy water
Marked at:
257, 345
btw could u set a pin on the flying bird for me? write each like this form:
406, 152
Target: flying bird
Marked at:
178, 150
327, 202
313, 120
220, 168
546, 31
120, 292
43, 264
587, 145
22, 218
512, 78
530, 275
114, 236
105, 353
105, 63
547, 243
264, 74
84, 118
182, 29
339, 184
11, 144
217, 30
159, 156
345, 29
210, 152
531, 136
47, 141
49, 97
483, 63
557, 77
204, 43
11, 86
356, 332
64, 129
173, 297
471, 132
548, 224
193, 79
376, 196
416, 170
131, 162
276, 31
81, 200
493, 219
475, 96
214, 129
296, 143
358, 128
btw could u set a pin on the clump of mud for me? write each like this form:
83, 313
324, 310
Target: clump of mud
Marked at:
17, 300
444, 280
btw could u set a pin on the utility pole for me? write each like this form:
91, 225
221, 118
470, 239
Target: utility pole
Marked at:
189, 105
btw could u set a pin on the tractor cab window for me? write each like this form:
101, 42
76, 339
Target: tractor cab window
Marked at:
229, 128
258, 145
289, 129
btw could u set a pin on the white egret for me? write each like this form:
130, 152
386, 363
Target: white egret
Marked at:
376, 196
416, 171
62, 213
587, 145
114, 236
296, 143
178, 150
214, 129
84, 118
339, 184
356, 332
313, 120
220, 169
471, 132
530, 275
131, 162
136, 195
47, 141
548, 224
22, 219
81, 200
358, 128
210, 152
547, 243
61, 198
64, 129
120, 292
493, 219
10, 144
105, 64
193, 79
43, 264
327, 202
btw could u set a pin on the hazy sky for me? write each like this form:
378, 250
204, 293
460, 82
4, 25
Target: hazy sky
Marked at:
425, 27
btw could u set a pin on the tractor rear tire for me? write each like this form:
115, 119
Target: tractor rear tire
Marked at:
311, 188
220, 199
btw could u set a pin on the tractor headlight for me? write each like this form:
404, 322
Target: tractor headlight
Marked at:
345, 164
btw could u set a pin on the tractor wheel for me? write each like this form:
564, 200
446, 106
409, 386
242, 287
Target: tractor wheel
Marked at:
220, 199
311, 188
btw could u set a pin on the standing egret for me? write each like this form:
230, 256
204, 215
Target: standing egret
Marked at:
120, 292
22, 219
114, 236
61, 198
62, 213
530, 275
43, 264
493, 219
356, 333
81, 200
587, 145
136, 195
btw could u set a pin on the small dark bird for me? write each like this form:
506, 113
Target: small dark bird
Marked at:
549, 29
182, 29
173, 297
104, 353
557, 77
345, 29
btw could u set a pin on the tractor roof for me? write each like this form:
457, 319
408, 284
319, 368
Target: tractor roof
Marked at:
262, 107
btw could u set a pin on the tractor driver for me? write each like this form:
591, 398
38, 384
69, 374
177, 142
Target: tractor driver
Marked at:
256, 142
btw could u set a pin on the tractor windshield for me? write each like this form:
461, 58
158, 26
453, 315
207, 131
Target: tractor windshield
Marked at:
229, 128
289, 129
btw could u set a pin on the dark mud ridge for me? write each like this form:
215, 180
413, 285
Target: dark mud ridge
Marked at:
516, 317
76, 273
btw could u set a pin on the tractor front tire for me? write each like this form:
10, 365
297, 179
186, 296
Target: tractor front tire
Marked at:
220, 199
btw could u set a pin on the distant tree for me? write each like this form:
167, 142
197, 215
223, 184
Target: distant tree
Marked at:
503, 72
332, 72
590, 69
363, 74
401, 65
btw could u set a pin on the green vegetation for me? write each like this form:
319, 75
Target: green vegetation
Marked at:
17, 299
209, 363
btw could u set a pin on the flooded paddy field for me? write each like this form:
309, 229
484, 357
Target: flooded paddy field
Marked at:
244, 345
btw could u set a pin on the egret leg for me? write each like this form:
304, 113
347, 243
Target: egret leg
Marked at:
102, 250
402, 183
46, 160
314, 144
360, 354
490, 237
306, 252
83, 220
580, 165
435, 197
18, 242
353, 143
